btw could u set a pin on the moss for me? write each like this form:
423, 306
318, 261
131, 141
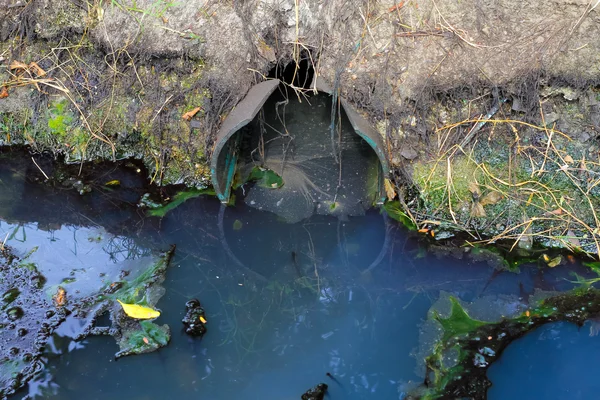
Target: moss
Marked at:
433, 178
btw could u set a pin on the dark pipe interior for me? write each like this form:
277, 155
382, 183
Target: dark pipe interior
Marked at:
303, 75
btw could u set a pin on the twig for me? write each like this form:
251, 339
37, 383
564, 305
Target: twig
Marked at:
161, 108
41, 170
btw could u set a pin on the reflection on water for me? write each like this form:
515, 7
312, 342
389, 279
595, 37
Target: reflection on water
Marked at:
285, 303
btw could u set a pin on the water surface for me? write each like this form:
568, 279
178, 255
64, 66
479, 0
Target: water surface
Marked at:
285, 303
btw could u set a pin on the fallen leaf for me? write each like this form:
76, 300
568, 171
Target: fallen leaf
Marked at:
36, 69
202, 319
389, 189
490, 198
555, 262
3, 92
139, 312
423, 230
569, 159
477, 210
558, 211
18, 65
474, 189
571, 258
114, 182
396, 7
572, 239
60, 297
190, 114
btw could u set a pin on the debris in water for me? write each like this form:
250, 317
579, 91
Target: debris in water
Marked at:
195, 318
316, 393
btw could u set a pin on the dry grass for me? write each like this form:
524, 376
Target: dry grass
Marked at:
563, 214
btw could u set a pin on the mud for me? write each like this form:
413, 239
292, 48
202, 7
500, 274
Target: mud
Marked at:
42, 289
28, 319
119, 76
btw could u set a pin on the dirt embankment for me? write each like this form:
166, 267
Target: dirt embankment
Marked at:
110, 79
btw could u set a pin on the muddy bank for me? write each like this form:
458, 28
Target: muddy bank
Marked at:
154, 81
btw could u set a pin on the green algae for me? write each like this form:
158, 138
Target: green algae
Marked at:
477, 344
178, 200
265, 177
458, 323
143, 337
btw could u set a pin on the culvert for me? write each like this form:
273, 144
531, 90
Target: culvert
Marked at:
296, 156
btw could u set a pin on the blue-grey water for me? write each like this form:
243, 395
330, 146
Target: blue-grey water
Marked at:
285, 303
555, 362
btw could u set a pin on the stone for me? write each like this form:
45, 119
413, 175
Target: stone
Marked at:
408, 153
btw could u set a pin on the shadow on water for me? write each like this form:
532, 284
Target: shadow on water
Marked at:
285, 303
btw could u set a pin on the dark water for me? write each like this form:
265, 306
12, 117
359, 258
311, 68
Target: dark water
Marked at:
285, 303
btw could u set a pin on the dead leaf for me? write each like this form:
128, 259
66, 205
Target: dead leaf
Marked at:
3, 92
474, 189
60, 297
389, 189
490, 198
36, 69
477, 210
558, 211
18, 65
572, 239
190, 114
396, 7
569, 159
555, 262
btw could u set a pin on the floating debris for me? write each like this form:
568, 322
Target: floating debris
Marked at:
195, 318
316, 393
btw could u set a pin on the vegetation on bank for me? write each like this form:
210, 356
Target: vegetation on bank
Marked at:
528, 183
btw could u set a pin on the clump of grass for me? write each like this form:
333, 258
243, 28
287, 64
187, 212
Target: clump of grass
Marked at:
542, 192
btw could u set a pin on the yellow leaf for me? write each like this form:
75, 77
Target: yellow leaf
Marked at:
114, 182
139, 312
569, 159
202, 319
389, 189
